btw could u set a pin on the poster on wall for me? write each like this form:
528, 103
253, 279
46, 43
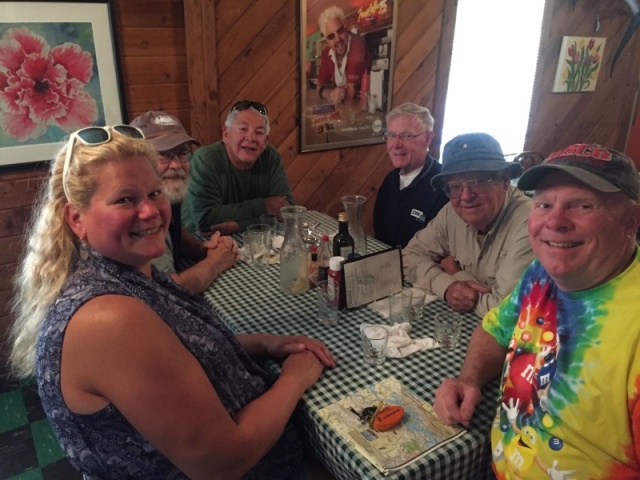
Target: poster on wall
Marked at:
58, 73
347, 51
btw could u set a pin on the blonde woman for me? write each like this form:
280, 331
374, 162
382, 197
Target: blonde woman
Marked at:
137, 376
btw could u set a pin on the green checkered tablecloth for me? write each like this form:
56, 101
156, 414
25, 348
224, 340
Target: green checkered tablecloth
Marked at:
251, 301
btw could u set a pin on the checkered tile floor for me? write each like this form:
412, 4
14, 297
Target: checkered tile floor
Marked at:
28, 448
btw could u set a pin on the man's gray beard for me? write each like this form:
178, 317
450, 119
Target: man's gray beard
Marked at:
174, 189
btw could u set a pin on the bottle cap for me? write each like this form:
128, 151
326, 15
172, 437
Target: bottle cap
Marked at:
325, 238
335, 263
314, 248
342, 217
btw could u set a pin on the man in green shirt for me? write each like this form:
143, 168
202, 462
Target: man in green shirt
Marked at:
236, 180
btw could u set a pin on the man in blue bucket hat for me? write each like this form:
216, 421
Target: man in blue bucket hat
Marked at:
473, 252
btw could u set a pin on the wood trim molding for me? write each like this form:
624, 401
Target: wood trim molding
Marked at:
200, 33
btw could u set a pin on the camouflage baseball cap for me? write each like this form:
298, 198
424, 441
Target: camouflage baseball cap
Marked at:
598, 167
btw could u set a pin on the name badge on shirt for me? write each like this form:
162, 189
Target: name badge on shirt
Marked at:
418, 215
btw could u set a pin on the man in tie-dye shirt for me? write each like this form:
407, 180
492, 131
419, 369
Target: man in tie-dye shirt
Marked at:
566, 341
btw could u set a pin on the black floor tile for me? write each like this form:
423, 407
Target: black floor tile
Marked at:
32, 403
17, 452
60, 470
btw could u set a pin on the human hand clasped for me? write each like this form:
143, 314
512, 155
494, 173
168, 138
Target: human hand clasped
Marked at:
279, 346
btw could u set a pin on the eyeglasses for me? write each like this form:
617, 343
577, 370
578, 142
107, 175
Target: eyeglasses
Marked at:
94, 136
404, 136
477, 186
181, 152
247, 104
340, 31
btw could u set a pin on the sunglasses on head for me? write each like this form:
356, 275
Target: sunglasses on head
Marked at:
247, 104
340, 31
93, 136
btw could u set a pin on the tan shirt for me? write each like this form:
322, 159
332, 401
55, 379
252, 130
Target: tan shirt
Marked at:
496, 259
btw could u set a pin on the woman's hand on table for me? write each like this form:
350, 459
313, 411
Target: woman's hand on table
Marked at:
455, 401
279, 346
303, 368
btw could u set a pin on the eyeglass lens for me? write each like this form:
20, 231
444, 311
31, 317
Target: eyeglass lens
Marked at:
454, 190
340, 31
181, 153
402, 136
246, 104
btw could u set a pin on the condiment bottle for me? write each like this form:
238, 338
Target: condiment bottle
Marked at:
323, 258
334, 281
343, 244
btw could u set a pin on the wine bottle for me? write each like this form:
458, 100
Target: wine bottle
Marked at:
343, 244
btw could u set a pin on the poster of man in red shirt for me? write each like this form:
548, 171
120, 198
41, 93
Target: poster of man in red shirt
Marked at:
347, 72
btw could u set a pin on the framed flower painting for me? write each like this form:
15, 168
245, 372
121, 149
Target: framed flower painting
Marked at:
58, 73
579, 64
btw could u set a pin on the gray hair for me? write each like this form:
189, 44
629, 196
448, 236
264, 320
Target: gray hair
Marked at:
329, 14
409, 109
231, 117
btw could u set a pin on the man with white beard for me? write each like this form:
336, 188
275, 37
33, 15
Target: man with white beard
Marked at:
173, 144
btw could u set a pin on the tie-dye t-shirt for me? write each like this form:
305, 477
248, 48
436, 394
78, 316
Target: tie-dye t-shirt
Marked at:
570, 391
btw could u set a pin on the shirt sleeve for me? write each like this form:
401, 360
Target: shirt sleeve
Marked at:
500, 321
421, 257
517, 257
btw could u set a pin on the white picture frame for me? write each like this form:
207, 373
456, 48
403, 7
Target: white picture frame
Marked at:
69, 33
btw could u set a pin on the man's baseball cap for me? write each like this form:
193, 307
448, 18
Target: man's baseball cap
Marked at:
164, 131
598, 167
473, 152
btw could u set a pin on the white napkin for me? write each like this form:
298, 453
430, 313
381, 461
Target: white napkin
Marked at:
400, 344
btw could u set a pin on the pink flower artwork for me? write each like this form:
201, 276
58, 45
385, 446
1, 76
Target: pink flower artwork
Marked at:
43, 86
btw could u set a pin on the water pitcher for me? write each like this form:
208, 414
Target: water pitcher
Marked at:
353, 205
294, 260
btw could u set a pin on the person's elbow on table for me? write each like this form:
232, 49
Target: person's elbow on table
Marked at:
455, 401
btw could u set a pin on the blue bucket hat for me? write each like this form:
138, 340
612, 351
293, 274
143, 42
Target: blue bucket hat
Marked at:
473, 152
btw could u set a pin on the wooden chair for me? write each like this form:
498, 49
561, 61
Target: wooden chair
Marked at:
529, 159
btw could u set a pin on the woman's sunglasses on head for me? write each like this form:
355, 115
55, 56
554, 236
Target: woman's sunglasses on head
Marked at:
94, 136
247, 104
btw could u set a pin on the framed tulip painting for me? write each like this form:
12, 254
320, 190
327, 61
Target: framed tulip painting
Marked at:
58, 73
346, 70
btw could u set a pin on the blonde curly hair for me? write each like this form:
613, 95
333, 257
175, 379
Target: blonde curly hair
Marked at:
52, 249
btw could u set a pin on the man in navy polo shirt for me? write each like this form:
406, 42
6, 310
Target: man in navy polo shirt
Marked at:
406, 202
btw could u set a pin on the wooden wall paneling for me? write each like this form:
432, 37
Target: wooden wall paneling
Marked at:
202, 58
602, 116
154, 70
261, 26
149, 13
141, 98
18, 189
257, 68
441, 88
11, 248
152, 42
14, 221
